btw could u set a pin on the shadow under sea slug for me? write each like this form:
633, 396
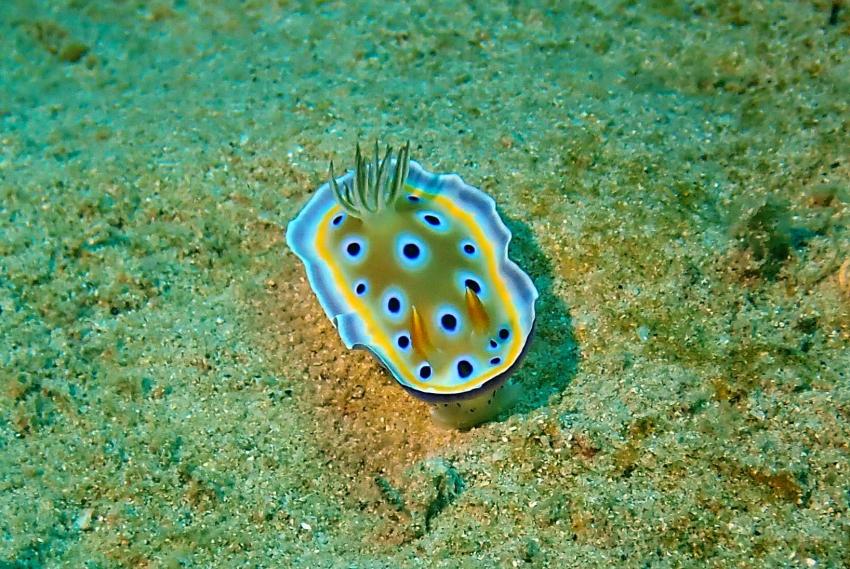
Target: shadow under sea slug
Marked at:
414, 267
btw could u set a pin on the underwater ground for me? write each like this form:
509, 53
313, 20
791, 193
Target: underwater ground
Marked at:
677, 179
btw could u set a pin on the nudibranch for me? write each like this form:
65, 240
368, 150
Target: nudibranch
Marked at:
414, 267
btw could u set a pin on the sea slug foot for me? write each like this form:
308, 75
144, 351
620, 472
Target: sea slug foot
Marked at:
468, 413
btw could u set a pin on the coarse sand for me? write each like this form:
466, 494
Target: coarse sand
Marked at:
677, 179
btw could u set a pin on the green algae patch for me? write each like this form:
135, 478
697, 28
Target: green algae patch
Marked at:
55, 39
73, 51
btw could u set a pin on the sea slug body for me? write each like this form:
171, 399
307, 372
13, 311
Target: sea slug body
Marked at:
414, 267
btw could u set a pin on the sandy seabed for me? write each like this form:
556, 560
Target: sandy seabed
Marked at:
677, 179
